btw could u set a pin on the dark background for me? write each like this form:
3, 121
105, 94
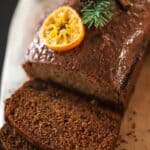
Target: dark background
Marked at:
6, 11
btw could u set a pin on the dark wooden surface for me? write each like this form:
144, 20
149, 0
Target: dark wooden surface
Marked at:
6, 11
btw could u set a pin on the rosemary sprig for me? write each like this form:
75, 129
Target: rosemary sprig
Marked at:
99, 13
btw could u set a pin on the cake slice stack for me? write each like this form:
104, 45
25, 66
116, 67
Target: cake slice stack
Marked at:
51, 117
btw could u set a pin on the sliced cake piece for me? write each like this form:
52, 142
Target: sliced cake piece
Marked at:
106, 64
11, 140
56, 119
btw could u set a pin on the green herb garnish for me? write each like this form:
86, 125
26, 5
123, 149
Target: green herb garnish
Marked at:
98, 13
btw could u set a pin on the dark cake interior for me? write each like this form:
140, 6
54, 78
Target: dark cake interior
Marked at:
53, 118
11, 140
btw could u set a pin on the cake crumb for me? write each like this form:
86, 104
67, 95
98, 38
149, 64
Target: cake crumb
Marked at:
148, 130
133, 126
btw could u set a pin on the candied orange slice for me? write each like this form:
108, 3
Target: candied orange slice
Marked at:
63, 29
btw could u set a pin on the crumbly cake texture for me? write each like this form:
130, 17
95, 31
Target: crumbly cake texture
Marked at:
1, 147
11, 140
53, 118
106, 64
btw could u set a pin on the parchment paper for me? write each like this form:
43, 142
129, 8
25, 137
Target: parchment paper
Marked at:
135, 129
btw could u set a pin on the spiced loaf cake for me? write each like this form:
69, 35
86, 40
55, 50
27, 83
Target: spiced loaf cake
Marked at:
55, 119
106, 64
11, 140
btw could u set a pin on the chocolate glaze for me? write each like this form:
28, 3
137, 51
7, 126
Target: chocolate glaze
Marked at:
106, 54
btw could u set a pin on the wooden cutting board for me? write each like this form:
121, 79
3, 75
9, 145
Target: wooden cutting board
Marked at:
135, 129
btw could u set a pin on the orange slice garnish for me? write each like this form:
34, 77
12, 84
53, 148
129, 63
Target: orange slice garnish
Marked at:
63, 29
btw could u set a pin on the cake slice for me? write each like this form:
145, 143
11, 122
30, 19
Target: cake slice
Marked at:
11, 140
53, 118
107, 62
